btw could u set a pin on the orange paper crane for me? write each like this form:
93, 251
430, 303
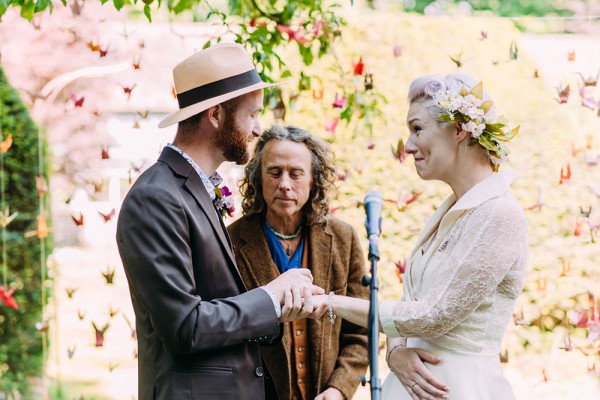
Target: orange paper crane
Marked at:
6, 143
42, 228
565, 175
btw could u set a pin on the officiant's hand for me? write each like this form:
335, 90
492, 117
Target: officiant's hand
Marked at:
407, 364
330, 394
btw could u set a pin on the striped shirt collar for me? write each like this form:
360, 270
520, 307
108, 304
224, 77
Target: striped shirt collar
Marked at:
209, 182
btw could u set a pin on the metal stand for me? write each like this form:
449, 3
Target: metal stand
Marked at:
373, 324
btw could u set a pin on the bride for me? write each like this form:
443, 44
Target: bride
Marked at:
467, 268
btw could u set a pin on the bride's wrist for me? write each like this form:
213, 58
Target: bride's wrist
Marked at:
389, 353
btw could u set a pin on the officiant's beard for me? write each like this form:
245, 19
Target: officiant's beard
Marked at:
233, 141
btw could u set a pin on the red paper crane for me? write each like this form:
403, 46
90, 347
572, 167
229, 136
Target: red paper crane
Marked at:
78, 220
100, 333
109, 216
78, 102
401, 269
358, 67
565, 175
6, 296
128, 89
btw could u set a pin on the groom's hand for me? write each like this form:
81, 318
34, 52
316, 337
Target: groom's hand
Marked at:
300, 277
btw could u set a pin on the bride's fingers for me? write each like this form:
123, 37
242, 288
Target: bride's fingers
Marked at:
421, 393
428, 390
431, 380
412, 393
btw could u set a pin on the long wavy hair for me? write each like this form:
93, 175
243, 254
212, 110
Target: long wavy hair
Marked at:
323, 174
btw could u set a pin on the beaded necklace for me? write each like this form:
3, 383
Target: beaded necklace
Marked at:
285, 238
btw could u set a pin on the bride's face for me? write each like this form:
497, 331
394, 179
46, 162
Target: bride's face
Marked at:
432, 146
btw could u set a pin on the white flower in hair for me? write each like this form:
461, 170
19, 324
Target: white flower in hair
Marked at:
474, 128
468, 109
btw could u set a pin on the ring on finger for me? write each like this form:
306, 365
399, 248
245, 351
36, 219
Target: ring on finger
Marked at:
413, 386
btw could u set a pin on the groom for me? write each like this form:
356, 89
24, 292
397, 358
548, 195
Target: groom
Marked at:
198, 327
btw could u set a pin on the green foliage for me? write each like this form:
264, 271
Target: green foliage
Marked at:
266, 28
20, 340
503, 8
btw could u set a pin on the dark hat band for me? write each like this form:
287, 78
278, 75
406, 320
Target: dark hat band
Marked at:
218, 88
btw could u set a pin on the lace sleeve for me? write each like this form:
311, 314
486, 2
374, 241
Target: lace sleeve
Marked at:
486, 255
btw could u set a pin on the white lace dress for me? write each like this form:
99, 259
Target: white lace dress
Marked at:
460, 288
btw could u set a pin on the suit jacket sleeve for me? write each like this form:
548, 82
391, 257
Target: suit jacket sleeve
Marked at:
353, 358
154, 242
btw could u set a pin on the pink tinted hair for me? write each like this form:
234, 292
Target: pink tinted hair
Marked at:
423, 89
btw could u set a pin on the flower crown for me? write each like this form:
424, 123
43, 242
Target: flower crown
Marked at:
469, 110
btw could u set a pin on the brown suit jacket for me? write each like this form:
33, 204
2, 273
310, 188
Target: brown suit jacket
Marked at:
198, 327
337, 264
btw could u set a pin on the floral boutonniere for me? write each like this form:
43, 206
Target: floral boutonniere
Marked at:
223, 201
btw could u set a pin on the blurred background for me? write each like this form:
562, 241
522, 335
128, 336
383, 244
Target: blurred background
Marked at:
84, 84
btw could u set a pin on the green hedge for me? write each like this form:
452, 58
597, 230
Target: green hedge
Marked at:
20, 340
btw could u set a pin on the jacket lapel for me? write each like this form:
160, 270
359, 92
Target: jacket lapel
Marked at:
256, 250
194, 186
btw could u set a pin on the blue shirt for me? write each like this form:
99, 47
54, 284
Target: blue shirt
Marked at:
281, 259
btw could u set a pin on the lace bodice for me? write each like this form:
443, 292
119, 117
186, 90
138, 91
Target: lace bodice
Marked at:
465, 273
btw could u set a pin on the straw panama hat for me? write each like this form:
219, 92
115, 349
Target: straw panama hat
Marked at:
210, 77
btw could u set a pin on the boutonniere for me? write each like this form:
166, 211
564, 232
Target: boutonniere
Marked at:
223, 201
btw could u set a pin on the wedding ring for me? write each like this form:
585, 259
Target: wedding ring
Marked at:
413, 386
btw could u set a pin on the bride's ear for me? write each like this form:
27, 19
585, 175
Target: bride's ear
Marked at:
461, 134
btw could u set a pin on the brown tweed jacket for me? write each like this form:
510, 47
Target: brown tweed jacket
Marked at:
337, 264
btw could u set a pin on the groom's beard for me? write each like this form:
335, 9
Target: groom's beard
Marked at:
233, 141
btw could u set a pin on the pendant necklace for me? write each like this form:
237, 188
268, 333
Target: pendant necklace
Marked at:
288, 250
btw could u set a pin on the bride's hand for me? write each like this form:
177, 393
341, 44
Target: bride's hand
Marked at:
320, 305
407, 364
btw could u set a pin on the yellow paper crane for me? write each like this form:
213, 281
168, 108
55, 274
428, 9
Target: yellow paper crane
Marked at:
6, 218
